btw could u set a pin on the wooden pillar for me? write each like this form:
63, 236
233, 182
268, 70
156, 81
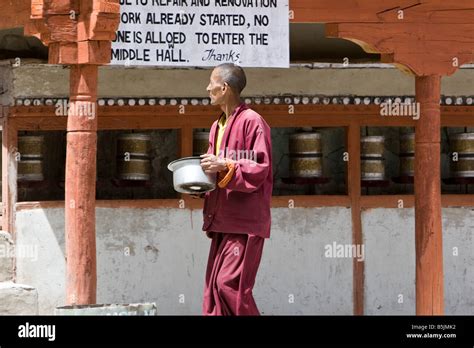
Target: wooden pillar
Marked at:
186, 141
81, 266
353, 181
79, 34
9, 173
428, 239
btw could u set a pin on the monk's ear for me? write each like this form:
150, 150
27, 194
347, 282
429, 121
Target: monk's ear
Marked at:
225, 87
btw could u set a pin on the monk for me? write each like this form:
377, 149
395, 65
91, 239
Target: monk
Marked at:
237, 213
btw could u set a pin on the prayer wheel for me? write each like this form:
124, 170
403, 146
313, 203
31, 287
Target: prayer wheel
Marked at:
306, 166
200, 143
407, 165
133, 157
305, 155
305, 143
463, 147
463, 143
137, 145
30, 164
372, 158
407, 144
407, 154
373, 169
134, 169
463, 167
372, 146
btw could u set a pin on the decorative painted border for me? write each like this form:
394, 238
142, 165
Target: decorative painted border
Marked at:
267, 100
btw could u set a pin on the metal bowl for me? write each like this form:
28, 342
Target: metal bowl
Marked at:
188, 176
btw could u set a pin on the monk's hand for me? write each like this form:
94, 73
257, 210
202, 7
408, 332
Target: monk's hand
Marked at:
212, 164
209, 234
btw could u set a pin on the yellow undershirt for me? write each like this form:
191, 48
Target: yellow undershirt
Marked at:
224, 177
222, 123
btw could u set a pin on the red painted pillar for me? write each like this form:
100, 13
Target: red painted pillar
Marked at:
81, 266
428, 239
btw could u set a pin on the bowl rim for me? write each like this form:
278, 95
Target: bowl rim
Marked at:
171, 164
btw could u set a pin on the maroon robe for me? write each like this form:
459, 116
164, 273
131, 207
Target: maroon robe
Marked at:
231, 270
238, 215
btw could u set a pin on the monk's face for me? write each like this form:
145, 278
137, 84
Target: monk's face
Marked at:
217, 88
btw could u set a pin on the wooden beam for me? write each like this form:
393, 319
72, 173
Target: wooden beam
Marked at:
431, 11
365, 114
15, 13
327, 11
317, 201
448, 201
277, 202
387, 201
311, 201
156, 117
392, 201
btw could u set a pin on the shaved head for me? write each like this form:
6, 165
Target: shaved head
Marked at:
233, 75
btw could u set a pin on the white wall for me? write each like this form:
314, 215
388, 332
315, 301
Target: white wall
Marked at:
389, 239
168, 255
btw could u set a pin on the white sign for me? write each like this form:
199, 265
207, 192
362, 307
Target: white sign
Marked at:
249, 33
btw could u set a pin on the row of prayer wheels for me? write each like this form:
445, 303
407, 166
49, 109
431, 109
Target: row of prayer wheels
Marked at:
305, 152
372, 156
134, 159
306, 156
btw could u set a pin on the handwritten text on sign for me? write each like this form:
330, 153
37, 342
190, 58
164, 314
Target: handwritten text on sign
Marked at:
252, 33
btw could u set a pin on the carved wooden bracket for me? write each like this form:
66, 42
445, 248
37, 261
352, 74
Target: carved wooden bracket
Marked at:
423, 37
77, 32
422, 49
